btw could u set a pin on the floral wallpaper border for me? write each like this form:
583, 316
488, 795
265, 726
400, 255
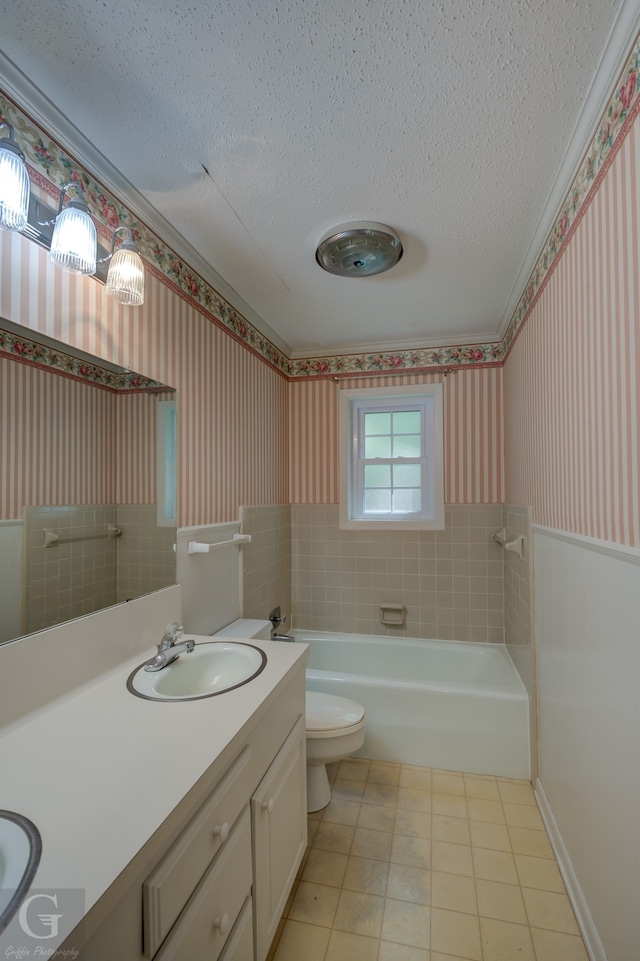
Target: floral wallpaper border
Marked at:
52, 166
39, 355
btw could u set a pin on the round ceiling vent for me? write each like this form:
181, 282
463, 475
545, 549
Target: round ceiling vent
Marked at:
359, 249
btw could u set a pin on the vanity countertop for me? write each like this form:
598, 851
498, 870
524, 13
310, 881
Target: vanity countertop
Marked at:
99, 771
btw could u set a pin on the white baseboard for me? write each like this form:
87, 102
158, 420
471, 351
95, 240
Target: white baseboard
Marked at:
590, 935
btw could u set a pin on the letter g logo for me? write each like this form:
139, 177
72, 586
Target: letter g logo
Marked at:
49, 921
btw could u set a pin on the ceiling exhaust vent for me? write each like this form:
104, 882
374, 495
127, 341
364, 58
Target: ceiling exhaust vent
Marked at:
359, 249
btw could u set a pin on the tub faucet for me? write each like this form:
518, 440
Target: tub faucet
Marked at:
277, 619
170, 648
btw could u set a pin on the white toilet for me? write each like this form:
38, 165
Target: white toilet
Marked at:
335, 725
335, 729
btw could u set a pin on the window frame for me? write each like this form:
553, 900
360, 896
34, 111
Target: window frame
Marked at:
166, 463
353, 405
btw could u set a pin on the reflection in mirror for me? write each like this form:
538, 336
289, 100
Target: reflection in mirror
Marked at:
87, 483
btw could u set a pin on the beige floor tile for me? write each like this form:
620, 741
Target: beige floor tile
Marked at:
376, 818
553, 946
494, 866
291, 898
359, 914
481, 810
351, 947
406, 923
546, 909
354, 768
449, 804
481, 787
312, 827
455, 830
494, 836
383, 772
341, 812
314, 816
455, 933
381, 794
451, 858
436, 956
366, 876
453, 892
325, 867
516, 792
371, 844
405, 883
276, 940
503, 902
390, 951
523, 816
503, 941
416, 852
529, 841
347, 789
444, 782
539, 873
334, 837
315, 904
302, 941
413, 799
416, 824
415, 777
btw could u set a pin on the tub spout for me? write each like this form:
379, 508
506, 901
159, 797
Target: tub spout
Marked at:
282, 637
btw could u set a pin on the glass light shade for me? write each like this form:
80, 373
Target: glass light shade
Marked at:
74, 242
125, 280
14, 187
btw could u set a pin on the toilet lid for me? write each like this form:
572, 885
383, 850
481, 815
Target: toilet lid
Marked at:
327, 712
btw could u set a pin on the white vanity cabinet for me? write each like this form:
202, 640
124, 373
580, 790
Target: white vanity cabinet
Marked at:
213, 880
279, 819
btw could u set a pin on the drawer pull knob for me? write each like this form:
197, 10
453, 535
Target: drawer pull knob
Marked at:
222, 924
268, 805
222, 831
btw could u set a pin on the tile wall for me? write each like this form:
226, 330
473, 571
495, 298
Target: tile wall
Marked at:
451, 582
146, 558
267, 560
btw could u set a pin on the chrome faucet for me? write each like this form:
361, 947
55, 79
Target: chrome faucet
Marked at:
277, 619
170, 648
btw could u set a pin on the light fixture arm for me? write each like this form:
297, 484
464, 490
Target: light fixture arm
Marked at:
79, 202
9, 142
126, 244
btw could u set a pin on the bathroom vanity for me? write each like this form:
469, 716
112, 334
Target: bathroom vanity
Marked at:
183, 822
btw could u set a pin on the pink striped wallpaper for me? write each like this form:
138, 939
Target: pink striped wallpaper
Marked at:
472, 429
232, 407
571, 383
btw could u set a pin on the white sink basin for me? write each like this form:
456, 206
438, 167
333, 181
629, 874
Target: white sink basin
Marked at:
213, 667
20, 849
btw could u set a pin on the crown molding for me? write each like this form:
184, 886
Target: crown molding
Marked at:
394, 346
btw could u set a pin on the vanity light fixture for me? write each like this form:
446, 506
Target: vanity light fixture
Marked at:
14, 183
125, 280
74, 240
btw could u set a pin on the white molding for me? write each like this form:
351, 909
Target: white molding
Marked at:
616, 51
585, 921
618, 551
56, 125
395, 346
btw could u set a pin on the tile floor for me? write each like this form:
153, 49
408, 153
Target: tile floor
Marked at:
409, 864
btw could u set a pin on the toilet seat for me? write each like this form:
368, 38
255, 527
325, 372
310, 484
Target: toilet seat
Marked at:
328, 715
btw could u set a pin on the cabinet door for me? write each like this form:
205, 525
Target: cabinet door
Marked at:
279, 825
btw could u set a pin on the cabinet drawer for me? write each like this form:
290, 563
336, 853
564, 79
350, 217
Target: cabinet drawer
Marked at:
169, 887
205, 924
239, 947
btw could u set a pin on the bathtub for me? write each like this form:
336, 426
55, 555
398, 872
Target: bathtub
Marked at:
445, 704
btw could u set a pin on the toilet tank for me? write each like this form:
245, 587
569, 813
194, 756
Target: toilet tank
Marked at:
247, 627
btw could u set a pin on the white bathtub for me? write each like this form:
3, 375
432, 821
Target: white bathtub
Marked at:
444, 704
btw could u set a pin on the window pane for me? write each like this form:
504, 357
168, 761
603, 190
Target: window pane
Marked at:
377, 475
407, 501
407, 445
377, 447
377, 423
406, 422
377, 501
406, 475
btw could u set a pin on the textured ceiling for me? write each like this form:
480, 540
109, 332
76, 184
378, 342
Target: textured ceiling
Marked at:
447, 120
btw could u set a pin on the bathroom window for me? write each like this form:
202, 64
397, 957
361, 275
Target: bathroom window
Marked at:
391, 470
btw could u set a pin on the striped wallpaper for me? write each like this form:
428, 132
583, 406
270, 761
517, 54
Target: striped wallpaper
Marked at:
571, 382
472, 431
232, 407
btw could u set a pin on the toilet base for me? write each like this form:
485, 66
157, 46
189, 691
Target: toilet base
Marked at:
318, 787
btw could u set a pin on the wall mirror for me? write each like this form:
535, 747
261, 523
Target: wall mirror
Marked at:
87, 483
